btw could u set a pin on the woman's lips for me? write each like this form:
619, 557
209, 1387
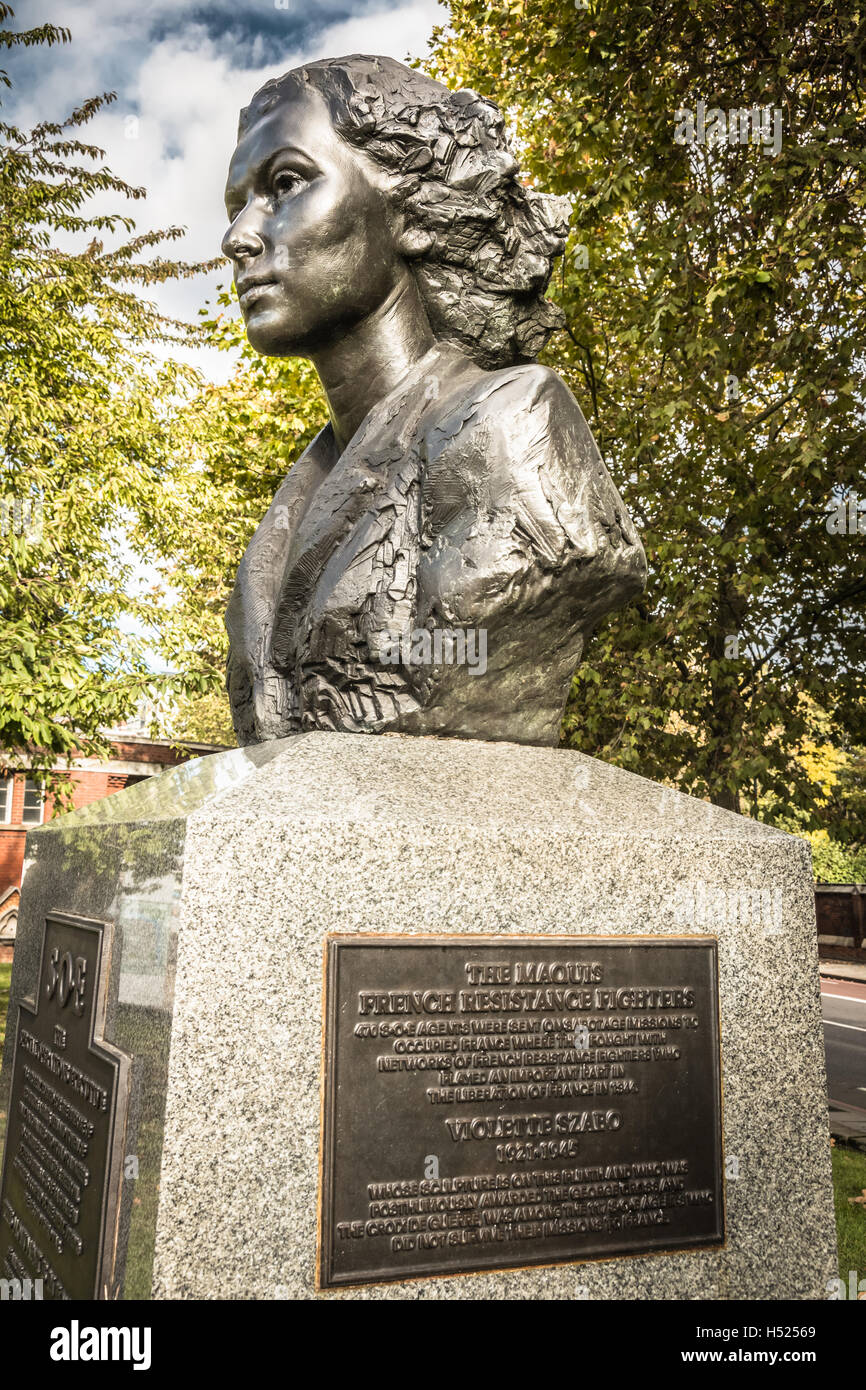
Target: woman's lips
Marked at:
254, 292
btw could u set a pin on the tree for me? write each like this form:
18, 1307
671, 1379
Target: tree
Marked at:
245, 436
91, 436
714, 297
836, 828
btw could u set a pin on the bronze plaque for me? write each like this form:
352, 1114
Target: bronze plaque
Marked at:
67, 1112
496, 1102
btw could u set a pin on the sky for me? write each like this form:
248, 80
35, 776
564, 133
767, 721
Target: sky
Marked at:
181, 72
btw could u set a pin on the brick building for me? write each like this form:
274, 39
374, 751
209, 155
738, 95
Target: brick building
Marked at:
841, 912
24, 804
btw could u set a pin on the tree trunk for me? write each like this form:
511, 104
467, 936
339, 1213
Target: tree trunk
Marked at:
730, 801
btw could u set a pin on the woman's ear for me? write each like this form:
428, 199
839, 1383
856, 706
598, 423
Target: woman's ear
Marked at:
411, 239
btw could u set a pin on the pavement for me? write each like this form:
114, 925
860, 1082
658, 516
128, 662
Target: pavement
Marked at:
844, 1006
842, 970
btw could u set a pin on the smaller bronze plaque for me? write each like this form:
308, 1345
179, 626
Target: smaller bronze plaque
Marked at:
497, 1102
67, 1114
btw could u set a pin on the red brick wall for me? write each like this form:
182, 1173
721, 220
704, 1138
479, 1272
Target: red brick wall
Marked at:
93, 786
11, 857
88, 785
841, 914
152, 753
17, 800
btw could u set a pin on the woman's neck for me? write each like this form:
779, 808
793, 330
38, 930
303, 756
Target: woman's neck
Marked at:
373, 357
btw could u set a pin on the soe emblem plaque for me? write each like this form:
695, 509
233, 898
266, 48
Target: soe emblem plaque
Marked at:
67, 1111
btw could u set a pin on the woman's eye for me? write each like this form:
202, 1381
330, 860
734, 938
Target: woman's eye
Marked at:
286, 182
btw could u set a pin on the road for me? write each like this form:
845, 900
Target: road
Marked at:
844, 1005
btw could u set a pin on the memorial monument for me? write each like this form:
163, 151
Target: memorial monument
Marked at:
380, 227
394, 990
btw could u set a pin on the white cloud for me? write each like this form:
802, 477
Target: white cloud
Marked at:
179, 94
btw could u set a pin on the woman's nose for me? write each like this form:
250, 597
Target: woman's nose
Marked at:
242, 241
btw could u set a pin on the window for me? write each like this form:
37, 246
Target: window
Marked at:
33, 796
6, 784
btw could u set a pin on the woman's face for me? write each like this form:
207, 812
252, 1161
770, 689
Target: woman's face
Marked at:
310, 237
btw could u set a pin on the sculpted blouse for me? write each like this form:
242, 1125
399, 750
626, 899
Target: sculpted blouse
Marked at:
442, 574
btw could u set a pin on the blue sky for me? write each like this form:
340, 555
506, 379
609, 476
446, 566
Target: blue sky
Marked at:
182, 72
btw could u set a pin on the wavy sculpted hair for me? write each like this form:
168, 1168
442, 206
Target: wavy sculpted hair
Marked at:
489, 241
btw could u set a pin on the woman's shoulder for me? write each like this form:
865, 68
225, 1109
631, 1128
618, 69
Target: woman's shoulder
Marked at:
509, 423
504, 395
509, 453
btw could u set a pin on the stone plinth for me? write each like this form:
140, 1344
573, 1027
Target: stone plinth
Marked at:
222, 878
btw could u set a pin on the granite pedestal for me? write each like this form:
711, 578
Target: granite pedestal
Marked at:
221, 880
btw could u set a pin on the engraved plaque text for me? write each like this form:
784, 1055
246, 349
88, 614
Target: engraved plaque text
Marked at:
501, 1102
66, 1121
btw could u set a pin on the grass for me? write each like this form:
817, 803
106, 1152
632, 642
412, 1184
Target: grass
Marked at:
849, 1180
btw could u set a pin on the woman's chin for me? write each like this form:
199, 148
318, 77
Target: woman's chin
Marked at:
270, 335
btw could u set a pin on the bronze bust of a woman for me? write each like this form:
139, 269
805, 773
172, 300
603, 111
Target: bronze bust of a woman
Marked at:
438, 556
